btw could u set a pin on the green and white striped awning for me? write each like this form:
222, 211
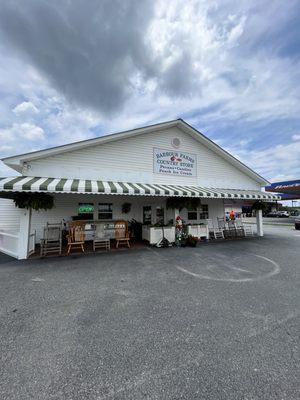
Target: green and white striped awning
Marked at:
86, 186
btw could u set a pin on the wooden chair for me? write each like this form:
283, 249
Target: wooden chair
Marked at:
121, 233
52, 239
76, 235
100, 241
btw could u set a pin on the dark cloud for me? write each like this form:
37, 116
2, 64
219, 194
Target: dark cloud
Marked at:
97, 52
89, 50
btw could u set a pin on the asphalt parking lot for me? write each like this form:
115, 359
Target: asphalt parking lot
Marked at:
220, 321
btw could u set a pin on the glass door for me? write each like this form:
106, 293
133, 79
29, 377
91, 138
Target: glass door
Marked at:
147, 215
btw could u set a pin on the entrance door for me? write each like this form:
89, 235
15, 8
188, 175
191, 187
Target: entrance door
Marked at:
160, 216
147, 215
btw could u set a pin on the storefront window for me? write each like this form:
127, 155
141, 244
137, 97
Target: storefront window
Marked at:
105, 211
203, 211
147, 214
200, 213
85, 211
192, 215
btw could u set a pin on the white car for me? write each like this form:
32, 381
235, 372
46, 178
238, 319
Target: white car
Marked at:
283, 214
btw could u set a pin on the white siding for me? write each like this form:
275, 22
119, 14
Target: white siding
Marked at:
9, 216
215, 210
131, 159
66, 206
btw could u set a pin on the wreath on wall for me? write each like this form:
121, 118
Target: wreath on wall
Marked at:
126, 207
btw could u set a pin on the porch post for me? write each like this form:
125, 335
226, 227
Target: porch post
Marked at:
25, 222
259, 223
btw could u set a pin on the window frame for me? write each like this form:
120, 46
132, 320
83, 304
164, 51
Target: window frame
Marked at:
85, 216
106, 212
201, 212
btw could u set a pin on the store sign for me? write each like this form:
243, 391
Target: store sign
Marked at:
85, 208
174, 162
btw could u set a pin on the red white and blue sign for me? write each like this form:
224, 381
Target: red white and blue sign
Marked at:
289, 189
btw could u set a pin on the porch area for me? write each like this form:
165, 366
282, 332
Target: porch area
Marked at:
148, 214
146, 223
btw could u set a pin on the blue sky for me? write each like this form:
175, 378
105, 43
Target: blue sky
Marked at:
74, 70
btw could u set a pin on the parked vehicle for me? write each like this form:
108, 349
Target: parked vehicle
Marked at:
283, 214
278, 214
272, 214
297, 223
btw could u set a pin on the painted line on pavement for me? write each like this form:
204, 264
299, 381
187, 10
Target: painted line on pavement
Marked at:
275, 271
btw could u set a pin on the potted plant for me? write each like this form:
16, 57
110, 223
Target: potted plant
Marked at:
180, 240
259, 205
191, 241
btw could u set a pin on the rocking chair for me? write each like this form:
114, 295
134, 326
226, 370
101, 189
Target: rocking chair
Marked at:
214, 233
76, 236
52, 239
121, 233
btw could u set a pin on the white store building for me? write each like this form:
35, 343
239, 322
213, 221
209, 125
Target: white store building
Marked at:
142, 167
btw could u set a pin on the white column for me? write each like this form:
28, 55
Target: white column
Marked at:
259, 223
25, 222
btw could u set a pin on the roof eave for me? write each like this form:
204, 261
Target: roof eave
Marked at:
17, 159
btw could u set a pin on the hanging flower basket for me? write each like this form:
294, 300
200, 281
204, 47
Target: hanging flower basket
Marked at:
36, 201
183, 202
259, 205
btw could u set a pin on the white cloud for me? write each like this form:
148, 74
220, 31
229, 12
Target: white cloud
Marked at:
25, 108
276, 163
17, 132
6, 147
31, 132
236, 31
201, 62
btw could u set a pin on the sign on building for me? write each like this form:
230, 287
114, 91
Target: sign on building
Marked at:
174, 162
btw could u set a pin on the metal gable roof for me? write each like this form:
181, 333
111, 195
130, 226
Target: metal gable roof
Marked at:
16, 162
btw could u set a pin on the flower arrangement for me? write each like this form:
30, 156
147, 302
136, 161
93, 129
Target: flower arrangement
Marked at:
259, 205
180, 232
